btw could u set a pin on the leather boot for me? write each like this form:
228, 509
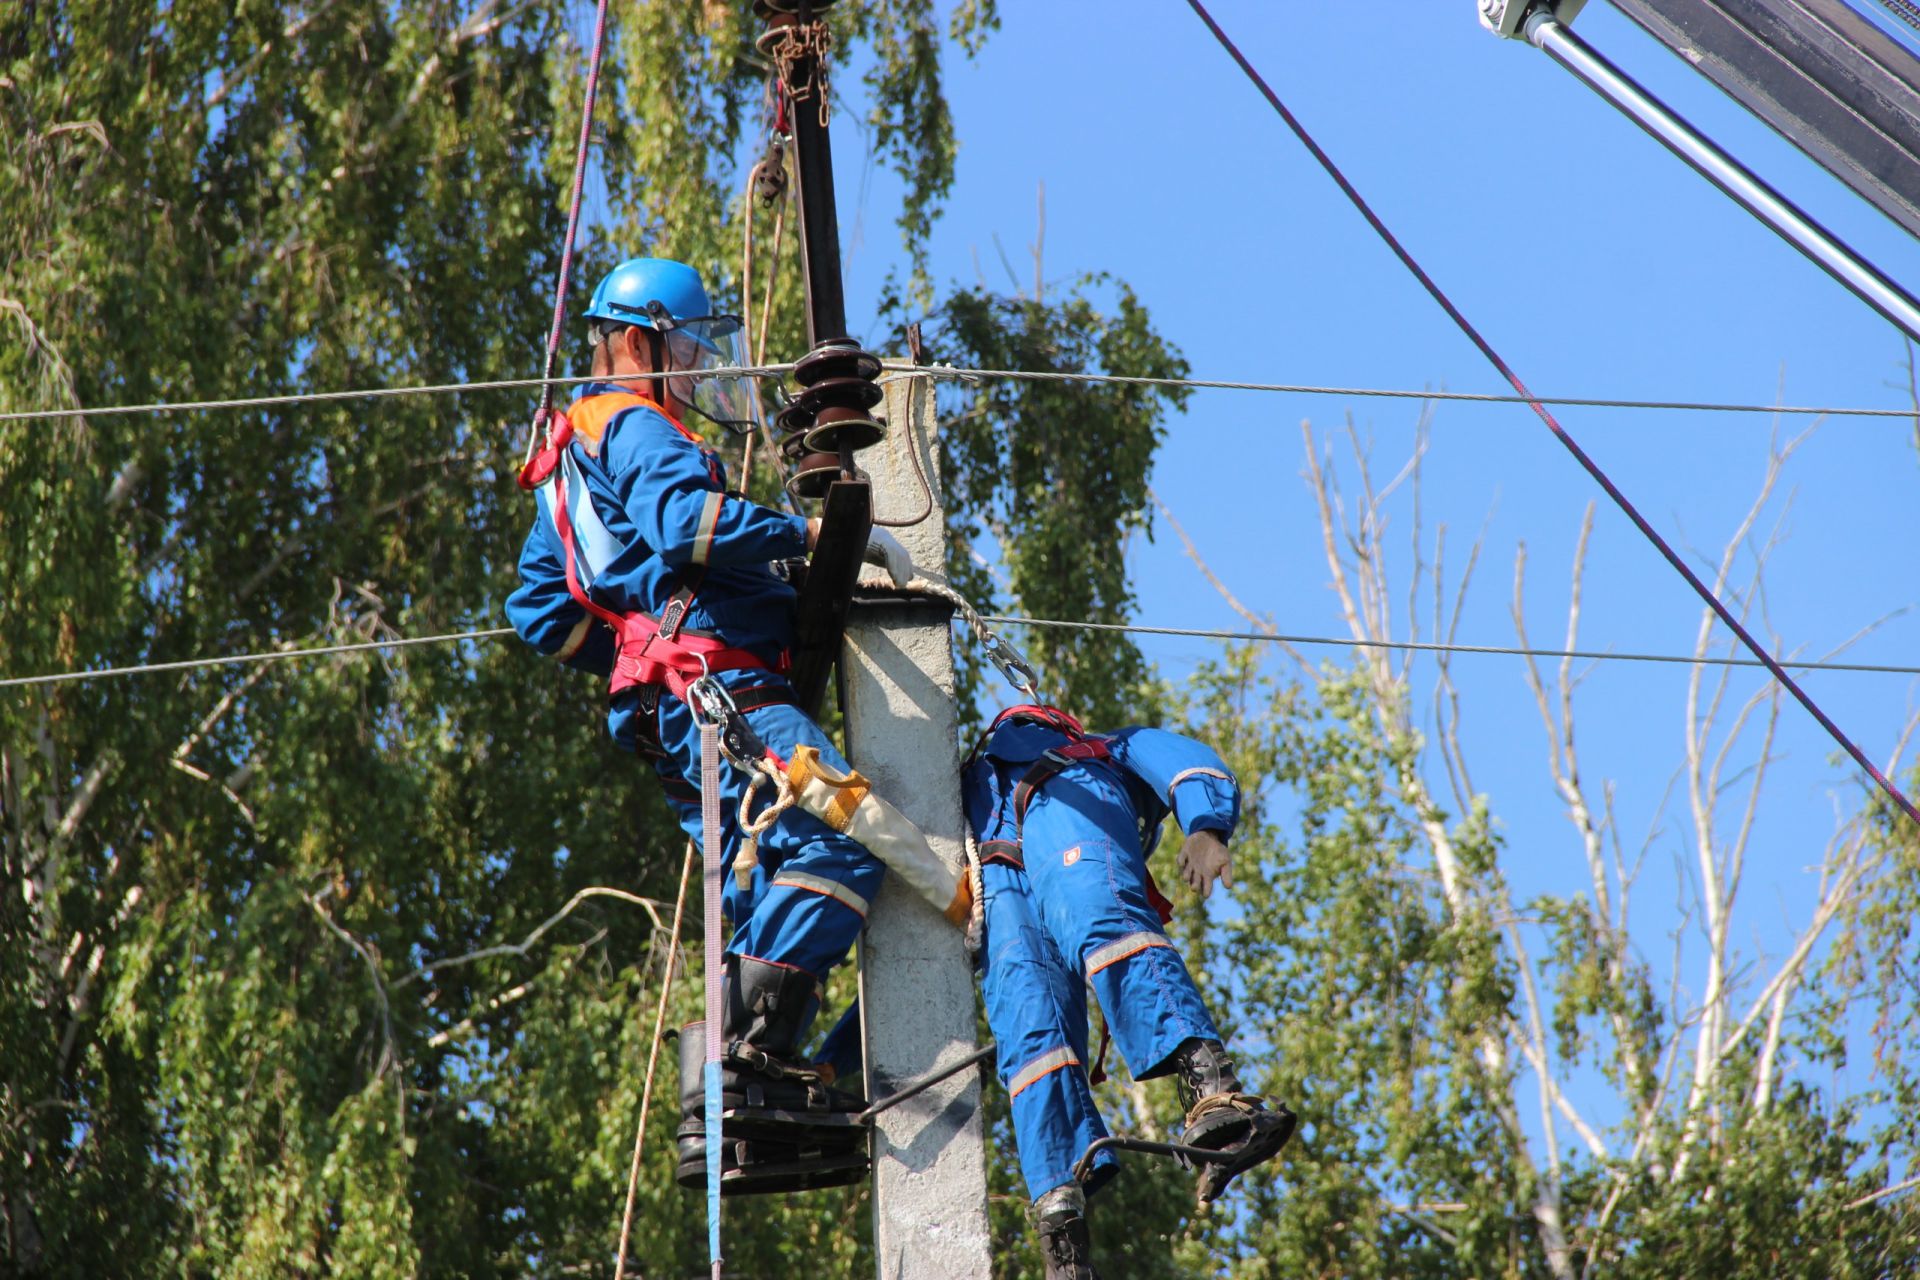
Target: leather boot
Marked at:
785, 1129
1222, 1116
1061, 1215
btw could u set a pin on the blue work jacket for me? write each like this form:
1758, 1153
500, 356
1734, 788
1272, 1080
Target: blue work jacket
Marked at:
1163, 773
651, 515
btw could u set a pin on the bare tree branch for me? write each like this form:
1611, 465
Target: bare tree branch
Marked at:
526, 944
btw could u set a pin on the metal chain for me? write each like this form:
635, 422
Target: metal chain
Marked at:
798, 42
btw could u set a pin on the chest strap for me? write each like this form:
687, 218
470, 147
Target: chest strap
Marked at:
1049, 766
1056, 761
652, 651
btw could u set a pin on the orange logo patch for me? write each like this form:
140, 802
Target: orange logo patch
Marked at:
1070, 857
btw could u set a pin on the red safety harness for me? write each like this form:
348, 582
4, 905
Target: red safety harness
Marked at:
1084, 747
662, 651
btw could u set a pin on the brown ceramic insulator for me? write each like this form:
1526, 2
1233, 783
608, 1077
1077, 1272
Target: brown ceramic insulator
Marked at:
837, 428
814, 476
836, 358
793, 446
796, 416
853, 392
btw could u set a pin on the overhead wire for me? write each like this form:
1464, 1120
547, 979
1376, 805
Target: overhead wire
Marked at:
962, 374
359, 393
1593, 469
1198, 633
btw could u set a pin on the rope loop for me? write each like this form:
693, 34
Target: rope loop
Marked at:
765, 774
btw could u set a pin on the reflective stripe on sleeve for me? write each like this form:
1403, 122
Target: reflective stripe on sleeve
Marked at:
825, 887
1116, 951
1046, 1064
709, 518
575, 638
1201, 771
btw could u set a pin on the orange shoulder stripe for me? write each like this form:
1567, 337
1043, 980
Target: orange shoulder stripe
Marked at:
591, 415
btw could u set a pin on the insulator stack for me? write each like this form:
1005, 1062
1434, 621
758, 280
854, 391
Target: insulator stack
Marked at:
832, 417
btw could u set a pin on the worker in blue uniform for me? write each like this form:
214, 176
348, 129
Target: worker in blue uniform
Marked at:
643, 567
1064, 821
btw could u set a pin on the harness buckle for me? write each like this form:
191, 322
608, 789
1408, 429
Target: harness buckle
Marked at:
710, 699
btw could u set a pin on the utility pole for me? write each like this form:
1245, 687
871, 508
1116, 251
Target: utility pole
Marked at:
897, 689
916, 984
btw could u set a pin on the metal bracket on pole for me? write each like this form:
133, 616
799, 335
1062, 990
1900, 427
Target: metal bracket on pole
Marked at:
1508, 17
1746, 188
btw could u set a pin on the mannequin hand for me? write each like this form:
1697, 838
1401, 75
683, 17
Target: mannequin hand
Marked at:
1205, 858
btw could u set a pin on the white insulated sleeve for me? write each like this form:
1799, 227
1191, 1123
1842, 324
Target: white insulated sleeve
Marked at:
846, 803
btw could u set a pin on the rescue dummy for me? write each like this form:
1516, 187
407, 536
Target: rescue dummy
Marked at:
642, 567
1064, 822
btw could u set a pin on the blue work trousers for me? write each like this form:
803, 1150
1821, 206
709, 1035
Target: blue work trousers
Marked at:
806, 902
1078, 914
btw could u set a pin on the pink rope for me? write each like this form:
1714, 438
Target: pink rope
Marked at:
1580, 455
573, 212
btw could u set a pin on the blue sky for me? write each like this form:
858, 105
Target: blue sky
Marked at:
1593, 260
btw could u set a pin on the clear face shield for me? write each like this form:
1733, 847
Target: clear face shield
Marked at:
707, 350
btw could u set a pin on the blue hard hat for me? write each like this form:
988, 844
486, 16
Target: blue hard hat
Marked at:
634, 292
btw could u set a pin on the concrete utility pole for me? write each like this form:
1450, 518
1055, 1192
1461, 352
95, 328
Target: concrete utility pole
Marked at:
916, 984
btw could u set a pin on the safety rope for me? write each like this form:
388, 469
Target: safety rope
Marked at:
1196, 633
1593, 469
653, 1061
754, 335
959, 373
1009, 660
712, 947
573, 226
752, 827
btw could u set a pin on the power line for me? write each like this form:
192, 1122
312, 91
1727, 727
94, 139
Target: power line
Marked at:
240, 659
1418, 646
361, 393
1560, 433
1197, 633
956, 373
1470, 397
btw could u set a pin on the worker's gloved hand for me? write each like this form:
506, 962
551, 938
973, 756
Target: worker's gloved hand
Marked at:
885, 550
1205, 858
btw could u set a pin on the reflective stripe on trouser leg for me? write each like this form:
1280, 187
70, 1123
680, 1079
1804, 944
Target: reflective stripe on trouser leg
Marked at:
1036, 1006
1090, 880
811, 921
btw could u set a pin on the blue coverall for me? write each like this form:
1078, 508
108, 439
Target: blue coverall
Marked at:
1080, 912
651, 514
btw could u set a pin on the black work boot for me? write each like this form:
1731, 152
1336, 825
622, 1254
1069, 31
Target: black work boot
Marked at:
1061, 1215
768, 1006
784, 1128
1222, 1116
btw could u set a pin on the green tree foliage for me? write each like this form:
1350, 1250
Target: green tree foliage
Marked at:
346, 967
1046, 480
265, 1007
